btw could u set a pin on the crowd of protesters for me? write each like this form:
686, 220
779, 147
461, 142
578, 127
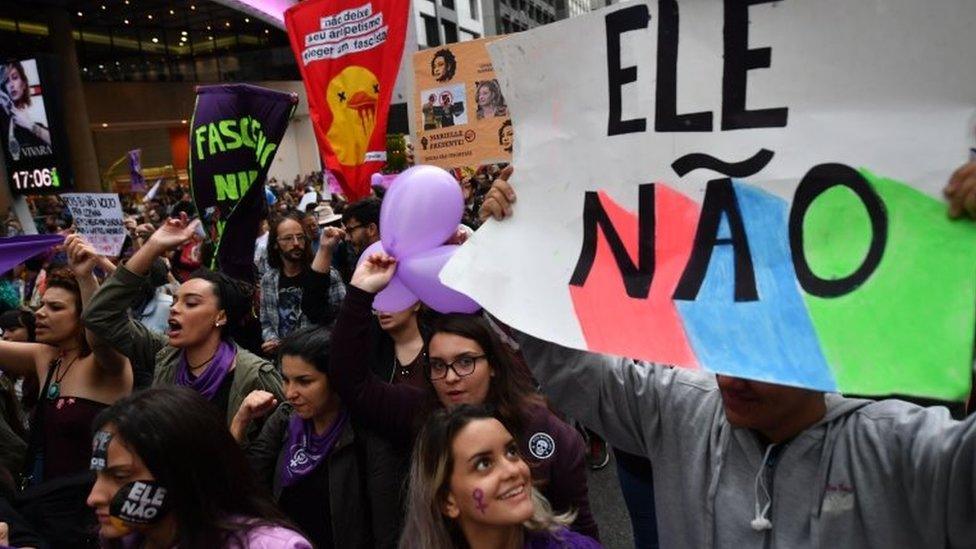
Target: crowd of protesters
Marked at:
146, 401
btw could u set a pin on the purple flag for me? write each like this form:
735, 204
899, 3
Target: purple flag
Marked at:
234, 135
15, 250
138, 184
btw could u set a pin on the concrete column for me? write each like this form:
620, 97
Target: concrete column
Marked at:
84, 163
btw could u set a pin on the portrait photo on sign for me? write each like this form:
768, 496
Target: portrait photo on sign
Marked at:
443, 66
443, 107
488, 96
23, 119
506, 136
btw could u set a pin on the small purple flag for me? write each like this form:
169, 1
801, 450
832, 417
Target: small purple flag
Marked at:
15, 250
135, 171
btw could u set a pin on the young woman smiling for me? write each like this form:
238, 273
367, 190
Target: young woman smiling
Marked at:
470, 488
333, 478
467, 364
199, 352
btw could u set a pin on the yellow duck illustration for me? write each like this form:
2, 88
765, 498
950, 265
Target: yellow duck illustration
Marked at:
352, 96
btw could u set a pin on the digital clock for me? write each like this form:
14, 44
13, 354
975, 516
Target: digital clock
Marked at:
40, 179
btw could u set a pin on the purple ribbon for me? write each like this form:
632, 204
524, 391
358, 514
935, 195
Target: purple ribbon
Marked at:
209, 383
305, 449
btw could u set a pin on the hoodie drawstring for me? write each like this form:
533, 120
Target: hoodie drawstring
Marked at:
761, 521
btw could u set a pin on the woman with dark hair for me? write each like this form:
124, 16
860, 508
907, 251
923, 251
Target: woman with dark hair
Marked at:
79, 381
333, 478
466, 363
506, 136
199, 351
470, 487
443, 65
168, 474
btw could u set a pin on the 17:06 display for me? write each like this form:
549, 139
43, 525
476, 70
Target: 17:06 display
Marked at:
36, 179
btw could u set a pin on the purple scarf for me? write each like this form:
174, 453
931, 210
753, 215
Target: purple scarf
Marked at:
209, 383
305, 450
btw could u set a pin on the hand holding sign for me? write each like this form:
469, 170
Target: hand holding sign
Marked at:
961, 191
498, 202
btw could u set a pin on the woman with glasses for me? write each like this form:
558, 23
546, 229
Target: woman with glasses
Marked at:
467, 364
198, 350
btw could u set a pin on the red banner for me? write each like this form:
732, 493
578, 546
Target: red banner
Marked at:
349, 52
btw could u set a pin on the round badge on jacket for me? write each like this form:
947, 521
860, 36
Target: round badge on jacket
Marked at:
542, 446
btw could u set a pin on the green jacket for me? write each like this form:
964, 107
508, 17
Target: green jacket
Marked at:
107, 316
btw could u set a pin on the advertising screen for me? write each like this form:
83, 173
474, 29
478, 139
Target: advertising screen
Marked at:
28, 130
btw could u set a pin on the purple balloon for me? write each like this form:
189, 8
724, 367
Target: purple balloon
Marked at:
420, 211
382, 179
395, 297
419, 274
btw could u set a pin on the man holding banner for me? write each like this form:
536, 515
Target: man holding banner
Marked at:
848, 472
766, 210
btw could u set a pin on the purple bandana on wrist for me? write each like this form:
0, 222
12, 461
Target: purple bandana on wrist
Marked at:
209, 382
306, 450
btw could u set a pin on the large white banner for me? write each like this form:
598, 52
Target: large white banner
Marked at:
625, 117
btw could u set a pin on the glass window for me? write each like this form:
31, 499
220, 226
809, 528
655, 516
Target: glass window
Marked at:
430, 28
450, 31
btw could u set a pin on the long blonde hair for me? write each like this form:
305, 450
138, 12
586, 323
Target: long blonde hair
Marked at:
426, 525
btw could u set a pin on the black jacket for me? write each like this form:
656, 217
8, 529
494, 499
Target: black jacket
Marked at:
364, 482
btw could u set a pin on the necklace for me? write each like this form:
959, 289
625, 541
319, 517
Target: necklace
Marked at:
54, 390
202, 364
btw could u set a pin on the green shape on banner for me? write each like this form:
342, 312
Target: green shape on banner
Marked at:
909, 328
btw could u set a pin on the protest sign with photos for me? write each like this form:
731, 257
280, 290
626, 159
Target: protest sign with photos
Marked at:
462, 117
750, 188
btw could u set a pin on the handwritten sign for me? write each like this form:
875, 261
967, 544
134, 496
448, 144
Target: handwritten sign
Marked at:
748, 187
98, 218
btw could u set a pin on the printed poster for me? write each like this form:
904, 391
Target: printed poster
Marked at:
462, 115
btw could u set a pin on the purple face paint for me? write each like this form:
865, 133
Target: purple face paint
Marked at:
479, 500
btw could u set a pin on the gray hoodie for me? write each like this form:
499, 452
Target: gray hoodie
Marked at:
869, 474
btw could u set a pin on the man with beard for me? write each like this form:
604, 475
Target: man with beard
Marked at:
289, 275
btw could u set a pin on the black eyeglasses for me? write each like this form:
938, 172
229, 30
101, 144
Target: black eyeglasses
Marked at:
462, 366
351, 229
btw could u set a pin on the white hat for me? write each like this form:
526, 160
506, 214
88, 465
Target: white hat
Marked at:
326, 215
